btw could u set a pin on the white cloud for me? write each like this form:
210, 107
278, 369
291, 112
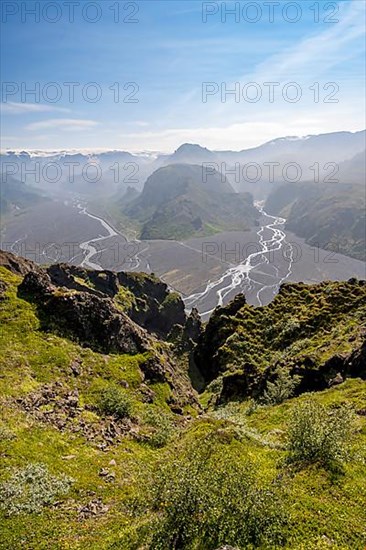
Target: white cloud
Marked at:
64, 124
14, 108
313, 58
247, 134
316, 54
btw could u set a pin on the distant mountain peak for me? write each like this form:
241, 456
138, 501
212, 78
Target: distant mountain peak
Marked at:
191, 148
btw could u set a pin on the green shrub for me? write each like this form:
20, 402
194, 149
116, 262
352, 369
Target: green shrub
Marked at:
211, 497
30, 489
282, 388
6, 434
319, 434
252, 406
162, 425
215, 386
113, 401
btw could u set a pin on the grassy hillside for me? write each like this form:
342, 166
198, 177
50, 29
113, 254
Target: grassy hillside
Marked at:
331, 216
94, 454
312, 331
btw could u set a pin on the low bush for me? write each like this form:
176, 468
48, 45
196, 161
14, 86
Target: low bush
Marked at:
210, 497
282, 388
6, 434
162, 427
113, 401
319, 434
31, 488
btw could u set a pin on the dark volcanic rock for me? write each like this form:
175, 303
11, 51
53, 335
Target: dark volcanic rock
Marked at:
96, 322
357, 361
315, 332
80, 304
154, 307
16, 264
64, 275
92, 320
221, 325
157, 309
193, 328
240, 384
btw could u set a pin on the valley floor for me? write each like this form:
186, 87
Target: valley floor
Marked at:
205, 271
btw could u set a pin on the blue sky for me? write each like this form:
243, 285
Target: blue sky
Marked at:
168, 53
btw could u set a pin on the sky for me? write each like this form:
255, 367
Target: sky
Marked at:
151, 75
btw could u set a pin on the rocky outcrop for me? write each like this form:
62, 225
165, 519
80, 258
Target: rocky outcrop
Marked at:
193, 328
91, 320
80, 279
315, 332
16, 264
312, 377
55, 404
220, 326
157, 308
153, 306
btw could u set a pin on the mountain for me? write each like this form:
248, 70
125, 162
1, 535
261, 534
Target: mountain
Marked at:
105, 443
181, 200
84, 173
331, 216
316, 156
190, 153
290, 159
354, 169
17, 196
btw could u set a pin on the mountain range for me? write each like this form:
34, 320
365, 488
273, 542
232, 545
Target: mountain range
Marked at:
119, 169
198, 192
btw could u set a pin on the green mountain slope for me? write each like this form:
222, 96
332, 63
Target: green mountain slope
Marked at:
331, 216
313, 331
179, 201
16, 195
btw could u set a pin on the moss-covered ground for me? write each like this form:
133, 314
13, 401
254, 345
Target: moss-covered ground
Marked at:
323, 509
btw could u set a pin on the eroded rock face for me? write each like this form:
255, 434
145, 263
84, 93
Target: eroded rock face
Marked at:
92, 320
220, 326
153, 307
193, 328
16, 264
251, 382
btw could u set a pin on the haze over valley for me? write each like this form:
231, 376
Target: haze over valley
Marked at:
210, 224
182, 275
